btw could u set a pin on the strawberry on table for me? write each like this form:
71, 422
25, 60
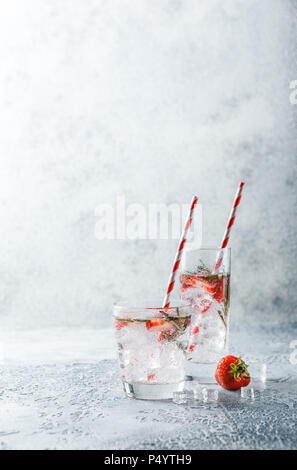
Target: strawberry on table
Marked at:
232, 373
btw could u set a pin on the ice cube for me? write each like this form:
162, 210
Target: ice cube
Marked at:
210, 394
247, 393
180, 398
194, 389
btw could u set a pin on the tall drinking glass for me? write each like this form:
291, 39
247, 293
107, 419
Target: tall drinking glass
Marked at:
152, 349
208, 291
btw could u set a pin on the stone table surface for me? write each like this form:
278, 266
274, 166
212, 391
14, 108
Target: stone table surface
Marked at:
60, 390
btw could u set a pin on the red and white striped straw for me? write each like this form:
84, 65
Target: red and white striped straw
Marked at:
182, 242
229, 226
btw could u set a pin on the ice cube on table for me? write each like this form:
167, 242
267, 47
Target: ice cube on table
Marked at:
191, 395
198, 395
210, 394
180, 398
194, 389
247, 393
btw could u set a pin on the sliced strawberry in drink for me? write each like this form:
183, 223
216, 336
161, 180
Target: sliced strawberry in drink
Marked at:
219, 294
215, 287
205, 309
154, 322
209, 287
190, 281
165, 334
195, 330
205, 305
120, 324
184, 287
192, 347
162, 336
151, 376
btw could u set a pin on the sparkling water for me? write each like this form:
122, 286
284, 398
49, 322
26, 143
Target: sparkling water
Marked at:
209, 295
152, 351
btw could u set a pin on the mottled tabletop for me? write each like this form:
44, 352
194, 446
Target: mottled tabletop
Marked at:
60, 390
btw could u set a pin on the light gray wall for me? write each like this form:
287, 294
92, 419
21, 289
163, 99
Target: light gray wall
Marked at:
155, 100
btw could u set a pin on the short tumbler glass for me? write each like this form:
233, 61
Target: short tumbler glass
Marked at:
152, 347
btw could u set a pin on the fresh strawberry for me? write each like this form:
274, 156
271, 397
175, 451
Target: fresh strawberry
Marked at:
232, 373
120, 324
192, 347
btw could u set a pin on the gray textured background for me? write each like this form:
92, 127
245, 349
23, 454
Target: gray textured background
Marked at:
154, 100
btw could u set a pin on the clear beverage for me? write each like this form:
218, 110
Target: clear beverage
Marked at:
152, 349
209, 294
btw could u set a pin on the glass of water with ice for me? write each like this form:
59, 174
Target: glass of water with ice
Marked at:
205, 283
152, 347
